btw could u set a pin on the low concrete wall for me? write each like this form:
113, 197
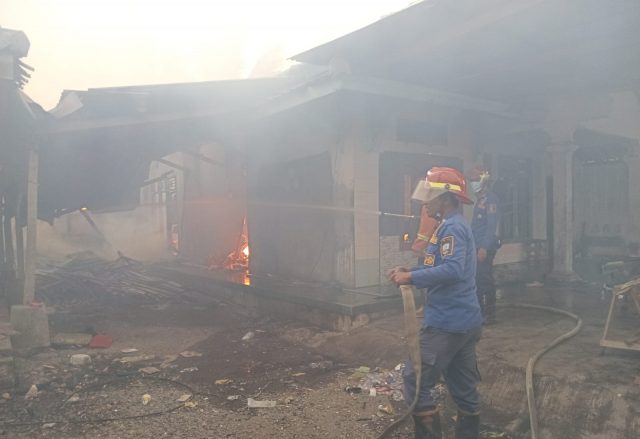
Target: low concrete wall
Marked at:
566, 409
263, 301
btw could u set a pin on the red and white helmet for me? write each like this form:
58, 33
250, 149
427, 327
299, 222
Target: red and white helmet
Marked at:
440, 180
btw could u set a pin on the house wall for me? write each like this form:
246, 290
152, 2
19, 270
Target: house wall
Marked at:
355, 142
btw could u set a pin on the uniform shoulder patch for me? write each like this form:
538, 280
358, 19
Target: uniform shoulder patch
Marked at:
446, 246
434, 239
429, 259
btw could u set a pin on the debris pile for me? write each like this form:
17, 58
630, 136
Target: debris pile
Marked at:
85, 277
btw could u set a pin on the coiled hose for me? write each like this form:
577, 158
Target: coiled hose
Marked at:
413, 340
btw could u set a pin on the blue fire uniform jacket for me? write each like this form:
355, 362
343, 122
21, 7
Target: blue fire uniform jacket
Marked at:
485, 222
449, 273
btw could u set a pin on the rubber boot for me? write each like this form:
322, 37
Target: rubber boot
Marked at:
467, 426
427, 425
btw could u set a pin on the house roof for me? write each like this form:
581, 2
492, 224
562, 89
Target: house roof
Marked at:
498, 49
101, 141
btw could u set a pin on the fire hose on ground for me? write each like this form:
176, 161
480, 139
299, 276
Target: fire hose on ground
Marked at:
413, 341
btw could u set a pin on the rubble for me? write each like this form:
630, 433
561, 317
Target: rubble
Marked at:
32, 393
80, 360
71, 339
190, 354
101, 341
84, 277
254, 404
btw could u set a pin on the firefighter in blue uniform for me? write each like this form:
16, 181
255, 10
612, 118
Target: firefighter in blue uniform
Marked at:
485, 227
452, 319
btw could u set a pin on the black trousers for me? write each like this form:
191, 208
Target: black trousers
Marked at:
486, 285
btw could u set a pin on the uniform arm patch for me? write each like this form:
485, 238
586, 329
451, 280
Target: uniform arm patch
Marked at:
446, 246
429, 259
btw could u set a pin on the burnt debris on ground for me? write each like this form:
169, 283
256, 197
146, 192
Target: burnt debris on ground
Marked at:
84, 278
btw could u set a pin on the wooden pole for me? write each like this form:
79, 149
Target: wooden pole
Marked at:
32, 224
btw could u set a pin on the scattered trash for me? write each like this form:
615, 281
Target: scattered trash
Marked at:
353, 389
494, 435
439, 392
373, 391
253, 404
101, 341
80, 359
129, 351
134, 359
360, 372
298, 374
73, 398
190, 404
49, 425
146, 399
6, 396
190, 354
288, 400
149, 370
184, 398
385, 382
233, 397
32, 393
188, 369
71, 339
326, 364
222, 382
535, 284
248, 336
386, 409
48, 366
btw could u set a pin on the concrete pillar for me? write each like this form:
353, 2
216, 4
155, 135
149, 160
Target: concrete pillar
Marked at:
343, 160
563, 222
30, 320
32, 326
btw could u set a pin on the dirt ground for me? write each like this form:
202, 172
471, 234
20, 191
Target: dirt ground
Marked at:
304, 369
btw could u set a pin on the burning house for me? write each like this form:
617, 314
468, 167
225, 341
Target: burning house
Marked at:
308, 176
